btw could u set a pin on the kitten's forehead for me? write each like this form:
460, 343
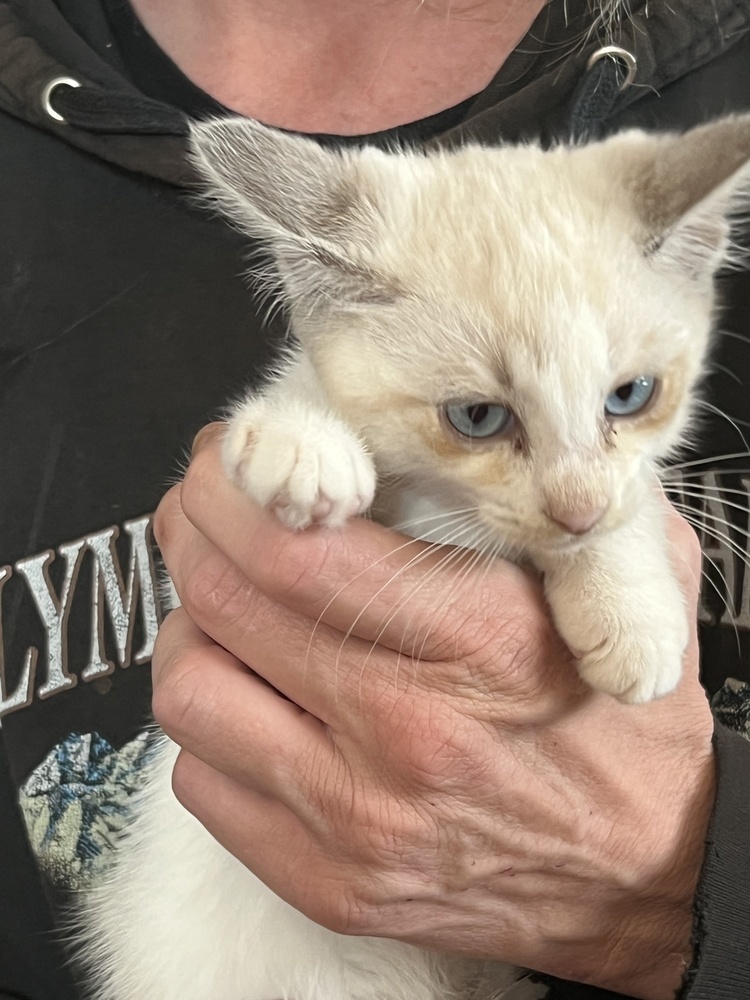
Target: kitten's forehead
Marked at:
506, 200
523, 262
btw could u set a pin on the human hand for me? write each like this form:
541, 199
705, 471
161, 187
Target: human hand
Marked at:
476, 799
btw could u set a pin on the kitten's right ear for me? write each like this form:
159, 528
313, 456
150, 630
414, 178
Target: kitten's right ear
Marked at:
685, 189
303, 200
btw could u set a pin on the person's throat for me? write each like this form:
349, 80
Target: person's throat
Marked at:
343, 67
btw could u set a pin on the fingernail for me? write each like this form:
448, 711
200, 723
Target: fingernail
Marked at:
205, 435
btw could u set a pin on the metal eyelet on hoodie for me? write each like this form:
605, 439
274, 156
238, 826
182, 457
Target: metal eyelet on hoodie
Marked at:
46, 98
622, 56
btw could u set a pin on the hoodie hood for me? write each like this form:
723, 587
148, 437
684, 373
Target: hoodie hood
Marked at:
47, 47
42, 41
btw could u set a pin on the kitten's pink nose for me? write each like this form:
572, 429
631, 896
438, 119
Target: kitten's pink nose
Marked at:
575, 520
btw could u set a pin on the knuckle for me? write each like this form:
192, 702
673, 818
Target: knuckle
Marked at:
527, 641
682, 533
166, 516
216, 592
506, 652
688, 541
297, 564
343, 913
536, 666
177, 694
197, 483
687, 554
497, 634
182, 784
328, 781
444, 756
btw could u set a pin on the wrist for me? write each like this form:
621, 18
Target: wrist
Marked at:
652, 944
649, 959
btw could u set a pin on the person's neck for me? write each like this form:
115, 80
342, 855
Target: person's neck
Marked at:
344, 67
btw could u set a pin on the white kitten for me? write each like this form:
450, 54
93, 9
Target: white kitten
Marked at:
508, 332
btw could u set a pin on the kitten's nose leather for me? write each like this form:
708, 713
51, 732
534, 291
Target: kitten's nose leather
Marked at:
576, 521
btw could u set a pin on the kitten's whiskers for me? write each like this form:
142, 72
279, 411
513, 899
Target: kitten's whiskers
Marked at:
707, 461
726, 598
451, 555
720, 413
725, 503
677, 486
482, 554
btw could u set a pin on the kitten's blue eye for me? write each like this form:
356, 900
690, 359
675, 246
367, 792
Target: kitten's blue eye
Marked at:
478, 420
631, 397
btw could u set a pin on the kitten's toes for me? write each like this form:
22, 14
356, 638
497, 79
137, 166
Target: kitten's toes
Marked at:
307, 467
330, 480
636, 669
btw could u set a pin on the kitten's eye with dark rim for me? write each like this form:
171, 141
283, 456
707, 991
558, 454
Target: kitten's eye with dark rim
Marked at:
631, 397
478, 420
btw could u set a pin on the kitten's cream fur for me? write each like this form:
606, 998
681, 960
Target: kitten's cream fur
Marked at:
538, 280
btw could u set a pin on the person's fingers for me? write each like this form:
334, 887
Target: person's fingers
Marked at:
479, 614
363, 579
206, 435
208, 701
250, 825
328, 674
329, 886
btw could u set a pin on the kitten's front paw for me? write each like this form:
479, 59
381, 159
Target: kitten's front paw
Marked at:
630, 647
634, 666
306, 466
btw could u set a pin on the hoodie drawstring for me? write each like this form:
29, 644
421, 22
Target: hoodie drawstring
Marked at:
608, 72
96, 109
67, 100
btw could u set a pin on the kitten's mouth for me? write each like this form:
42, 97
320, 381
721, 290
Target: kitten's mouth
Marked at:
546, 537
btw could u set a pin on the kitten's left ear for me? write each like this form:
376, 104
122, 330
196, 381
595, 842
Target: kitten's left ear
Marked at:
309, 204
685, 189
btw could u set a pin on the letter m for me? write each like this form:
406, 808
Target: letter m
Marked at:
117, 599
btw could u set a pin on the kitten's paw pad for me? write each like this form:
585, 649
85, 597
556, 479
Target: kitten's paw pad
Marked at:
637, 668
309, 469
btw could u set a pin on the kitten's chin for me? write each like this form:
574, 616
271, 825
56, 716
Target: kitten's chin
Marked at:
564, 545
561, 542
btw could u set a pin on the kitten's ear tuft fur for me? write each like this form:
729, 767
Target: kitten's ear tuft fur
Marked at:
303, 200
686, 188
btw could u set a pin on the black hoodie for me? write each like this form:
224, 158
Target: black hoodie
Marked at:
126, 324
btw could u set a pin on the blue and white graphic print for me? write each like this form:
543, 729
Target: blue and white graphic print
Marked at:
731, 706
76, 802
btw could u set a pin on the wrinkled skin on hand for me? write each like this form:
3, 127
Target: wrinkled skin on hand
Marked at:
411, 754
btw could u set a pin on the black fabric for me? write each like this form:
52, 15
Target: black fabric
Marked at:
719, 971
32, 963
126, 323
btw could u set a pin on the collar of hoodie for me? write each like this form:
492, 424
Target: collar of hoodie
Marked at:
52, 78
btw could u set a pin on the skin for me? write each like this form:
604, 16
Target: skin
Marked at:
345, 67
479, 799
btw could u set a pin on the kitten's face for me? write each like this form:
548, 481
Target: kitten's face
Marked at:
513, 331
491, 379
